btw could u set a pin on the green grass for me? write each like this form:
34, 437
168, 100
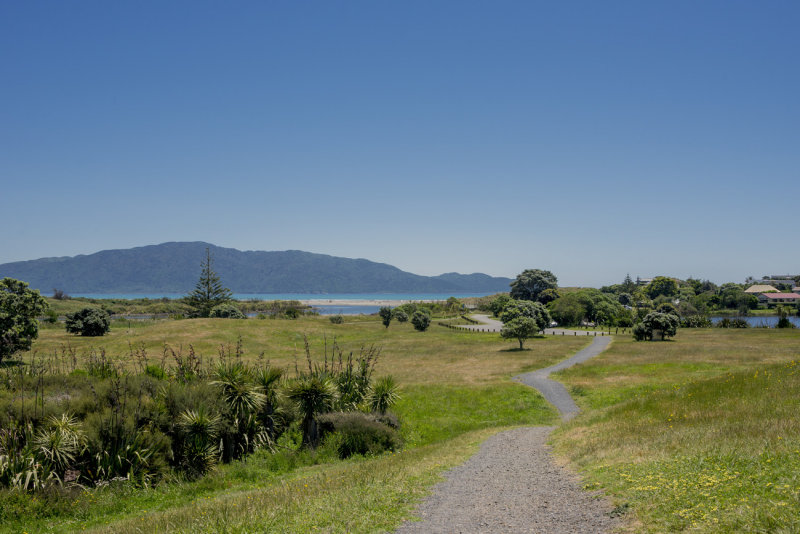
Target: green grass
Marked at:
456, 391
699, 434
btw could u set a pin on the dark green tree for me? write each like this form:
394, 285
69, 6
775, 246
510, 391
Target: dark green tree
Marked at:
209, 291
662, 285
628, 285
569, 310
519, 328
421, 320
523, 319
525, 308
548, 295
531, 282
399, 315
654, 324
19, 309
498, 303
91, 322
386, 315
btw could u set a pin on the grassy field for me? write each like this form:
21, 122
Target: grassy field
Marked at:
440, 355
455, 392
63, 307
699, 434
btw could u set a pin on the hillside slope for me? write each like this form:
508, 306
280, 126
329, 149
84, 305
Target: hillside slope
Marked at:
175, 267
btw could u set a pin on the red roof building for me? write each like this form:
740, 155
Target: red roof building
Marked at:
779, 298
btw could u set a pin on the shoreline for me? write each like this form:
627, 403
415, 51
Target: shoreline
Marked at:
360, 302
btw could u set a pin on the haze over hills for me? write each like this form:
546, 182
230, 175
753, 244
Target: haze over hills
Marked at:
175, 267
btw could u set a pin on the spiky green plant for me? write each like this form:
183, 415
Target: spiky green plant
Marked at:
268, 379
244, 400
242, 396
128, 457
384, 394
60, 442
19, 467
200, 430
314, 395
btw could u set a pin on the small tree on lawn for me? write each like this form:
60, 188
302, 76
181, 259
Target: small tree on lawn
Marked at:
520, 328
19, 309
209, 291
386, 315
663, 324
523, 319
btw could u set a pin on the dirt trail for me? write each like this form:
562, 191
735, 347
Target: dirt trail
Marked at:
513, 484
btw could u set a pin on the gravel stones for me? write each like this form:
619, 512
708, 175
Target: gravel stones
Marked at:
512, 485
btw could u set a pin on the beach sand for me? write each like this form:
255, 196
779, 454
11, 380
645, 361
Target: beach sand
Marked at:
359, 302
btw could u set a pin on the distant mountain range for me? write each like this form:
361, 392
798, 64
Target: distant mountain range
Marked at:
175, 268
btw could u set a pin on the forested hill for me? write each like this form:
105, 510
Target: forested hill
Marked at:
175, 268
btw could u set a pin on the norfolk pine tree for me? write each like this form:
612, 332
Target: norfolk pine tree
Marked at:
209, 291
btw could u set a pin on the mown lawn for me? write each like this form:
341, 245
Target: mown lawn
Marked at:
699, 434
455, 392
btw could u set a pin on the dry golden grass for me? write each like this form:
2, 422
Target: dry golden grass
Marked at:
440, 355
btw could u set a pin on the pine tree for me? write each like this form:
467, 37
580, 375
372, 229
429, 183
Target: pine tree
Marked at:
209, 291
628, 285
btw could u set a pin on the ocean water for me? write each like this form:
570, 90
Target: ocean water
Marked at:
292, 296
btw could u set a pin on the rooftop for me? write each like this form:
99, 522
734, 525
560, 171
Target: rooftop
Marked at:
760, 289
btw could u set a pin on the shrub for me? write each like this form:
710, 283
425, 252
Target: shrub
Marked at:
386, 315
226, 311
88, 322
421, 321
736, 322
19, 309
625, 321
696, 321
667, 307
400, 316
336, 319
156, 371
359, 433
50, 316
640, 333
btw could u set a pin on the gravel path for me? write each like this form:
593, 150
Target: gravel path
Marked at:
555, 392
513, 484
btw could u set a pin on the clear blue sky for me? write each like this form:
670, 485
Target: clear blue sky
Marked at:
589, 138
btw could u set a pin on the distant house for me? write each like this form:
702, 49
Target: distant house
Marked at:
773, 299
780, 279
796, 289
760, 288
